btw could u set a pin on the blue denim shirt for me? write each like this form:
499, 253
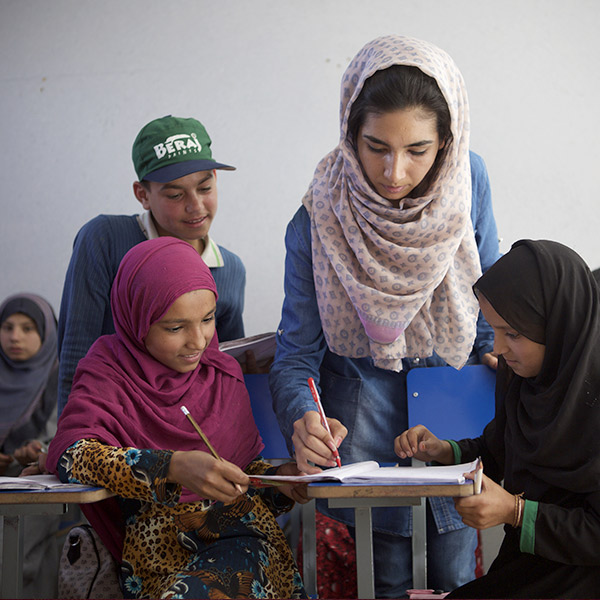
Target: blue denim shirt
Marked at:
369, 401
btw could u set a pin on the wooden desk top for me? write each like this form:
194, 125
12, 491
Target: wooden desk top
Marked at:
54, 496
336, 490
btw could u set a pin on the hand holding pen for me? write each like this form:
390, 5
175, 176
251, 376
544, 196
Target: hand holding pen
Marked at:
317, 399
313, 449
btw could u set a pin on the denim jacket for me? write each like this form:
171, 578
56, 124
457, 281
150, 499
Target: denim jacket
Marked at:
369, 401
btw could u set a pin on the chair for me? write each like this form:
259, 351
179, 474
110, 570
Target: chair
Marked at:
257, 385
452, 404
276, 451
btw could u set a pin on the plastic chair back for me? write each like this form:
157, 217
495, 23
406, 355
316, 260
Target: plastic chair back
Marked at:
452, 404
264, 415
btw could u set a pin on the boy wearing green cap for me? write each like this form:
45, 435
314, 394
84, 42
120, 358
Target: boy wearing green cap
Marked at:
177, 188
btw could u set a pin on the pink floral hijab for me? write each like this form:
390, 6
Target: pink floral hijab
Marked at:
396, 282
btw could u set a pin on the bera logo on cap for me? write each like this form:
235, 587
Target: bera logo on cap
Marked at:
178, 145
171, 147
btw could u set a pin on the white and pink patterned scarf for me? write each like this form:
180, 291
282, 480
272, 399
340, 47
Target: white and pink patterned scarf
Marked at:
396, 282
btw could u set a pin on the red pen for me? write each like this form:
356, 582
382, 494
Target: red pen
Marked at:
315, 394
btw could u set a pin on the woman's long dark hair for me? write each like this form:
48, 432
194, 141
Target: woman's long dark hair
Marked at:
401, 87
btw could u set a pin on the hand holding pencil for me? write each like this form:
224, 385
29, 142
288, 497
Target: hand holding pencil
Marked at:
206, 473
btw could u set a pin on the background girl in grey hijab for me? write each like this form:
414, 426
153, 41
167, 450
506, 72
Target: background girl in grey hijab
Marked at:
28, 377
28, 391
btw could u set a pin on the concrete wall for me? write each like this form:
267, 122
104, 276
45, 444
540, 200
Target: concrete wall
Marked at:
78, 79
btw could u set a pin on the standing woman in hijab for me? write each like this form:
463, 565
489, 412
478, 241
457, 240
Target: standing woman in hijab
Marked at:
395, 228
28, 379
544, 306
183, 523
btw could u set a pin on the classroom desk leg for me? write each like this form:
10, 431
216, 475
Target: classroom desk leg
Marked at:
364, 553
364, 539
309, 548
419, 545
13, 541
12, 557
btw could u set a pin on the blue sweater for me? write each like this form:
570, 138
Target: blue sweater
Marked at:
85, 312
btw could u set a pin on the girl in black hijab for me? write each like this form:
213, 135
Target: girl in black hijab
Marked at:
544, 442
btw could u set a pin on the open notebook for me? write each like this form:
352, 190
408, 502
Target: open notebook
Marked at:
37, 482
370, 473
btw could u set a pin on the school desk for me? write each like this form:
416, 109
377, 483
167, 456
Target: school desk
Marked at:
14, 506
365, 497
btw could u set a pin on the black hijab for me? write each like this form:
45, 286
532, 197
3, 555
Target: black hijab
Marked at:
549, 424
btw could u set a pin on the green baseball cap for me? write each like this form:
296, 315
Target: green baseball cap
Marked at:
171, 147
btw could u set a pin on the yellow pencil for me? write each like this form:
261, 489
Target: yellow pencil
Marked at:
186, 412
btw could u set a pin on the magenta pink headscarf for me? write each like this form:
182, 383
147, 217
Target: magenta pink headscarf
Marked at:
124, 397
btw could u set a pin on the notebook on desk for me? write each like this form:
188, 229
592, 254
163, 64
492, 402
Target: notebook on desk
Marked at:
371, 473
38, 482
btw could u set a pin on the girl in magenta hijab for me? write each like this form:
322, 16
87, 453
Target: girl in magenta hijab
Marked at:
182, 524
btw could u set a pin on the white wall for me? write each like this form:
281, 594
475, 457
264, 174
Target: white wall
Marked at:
78, 79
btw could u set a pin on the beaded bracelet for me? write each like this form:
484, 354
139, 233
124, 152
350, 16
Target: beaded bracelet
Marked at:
518, 517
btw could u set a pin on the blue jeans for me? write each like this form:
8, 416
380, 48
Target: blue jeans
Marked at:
450, 560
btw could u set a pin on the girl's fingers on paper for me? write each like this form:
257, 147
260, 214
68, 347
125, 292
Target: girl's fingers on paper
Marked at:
402, 446
406, 445
36, 467
471, 475
42, 457
289, 468
30, 470
28, 452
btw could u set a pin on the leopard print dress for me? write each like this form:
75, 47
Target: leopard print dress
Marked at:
201, 549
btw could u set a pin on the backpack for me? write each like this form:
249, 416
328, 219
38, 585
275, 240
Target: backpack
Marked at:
87, 569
